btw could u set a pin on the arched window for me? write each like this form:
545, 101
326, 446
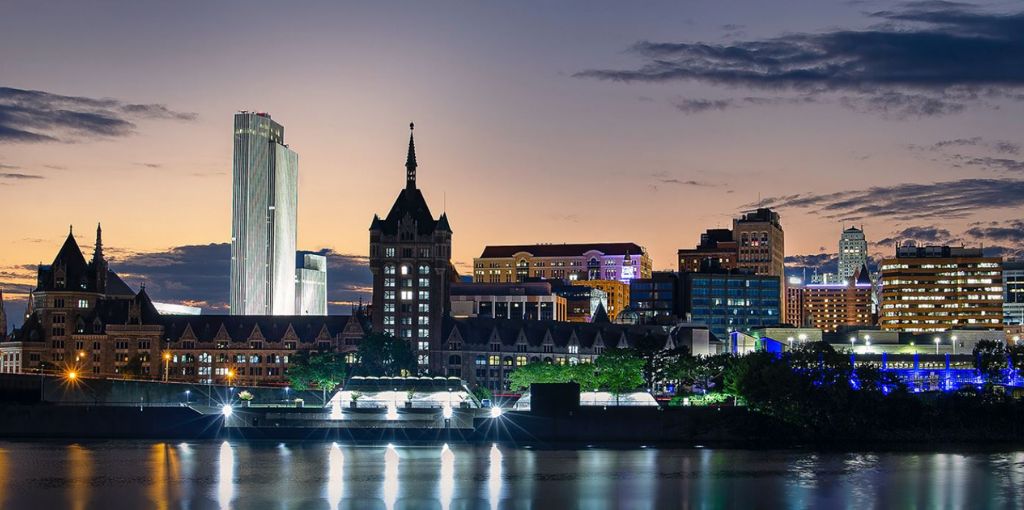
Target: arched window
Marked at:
481, 360
507, 361
424, 269
405, 269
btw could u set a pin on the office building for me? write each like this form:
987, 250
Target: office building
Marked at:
569, 262
656, 299
1013, 295
263, 218
730, 301
410, 258
311, 284
617, 294
523, 301
717, 246
936, 288
853, 253
835, 306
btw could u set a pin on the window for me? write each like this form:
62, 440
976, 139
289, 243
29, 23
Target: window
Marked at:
406, 333
58, 302
423, 333
574, 349
389, 269
407, 283
494, 360
424, 269
406, 295
520, 361
389, 308
424, 294
423, 307
405, 270
389, 320
424, 320
424, 252
389, 295
389, 253
83, 303
423, 346
424, 282
423, 359
389, 282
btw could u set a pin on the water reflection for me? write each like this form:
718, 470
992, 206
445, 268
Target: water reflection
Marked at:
163, 468
225, 476
80, 467
494, 477
335, 475
4, 474
446, 483
390, 477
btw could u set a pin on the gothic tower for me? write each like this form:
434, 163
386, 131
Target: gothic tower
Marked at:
410, 258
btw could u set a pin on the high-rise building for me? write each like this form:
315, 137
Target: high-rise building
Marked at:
731, 300
936, 288
410, 258
762, 246
853, 253
568, 262
263, 218
311, 284
656, 299
1013, 296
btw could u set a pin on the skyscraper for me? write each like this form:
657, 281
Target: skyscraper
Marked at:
311, 284
853, 253
410, 258
263, 218
762, 246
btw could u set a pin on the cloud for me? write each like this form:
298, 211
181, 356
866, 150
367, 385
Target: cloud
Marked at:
694, 106
947, 199
200, 275
20, 176
1010, 232
806, 265
702, 105
33, 116
150, 165
922, 234
929, 58
664, 178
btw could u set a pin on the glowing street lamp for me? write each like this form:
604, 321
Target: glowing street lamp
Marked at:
167, 361
72, 375
790, 343
953, 338
853, 340
937, 342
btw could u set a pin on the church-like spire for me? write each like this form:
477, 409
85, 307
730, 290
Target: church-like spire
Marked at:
97, 251
410, 162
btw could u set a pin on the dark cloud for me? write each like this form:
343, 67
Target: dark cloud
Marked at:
38, 116
803, 266
702, 105
692, 106
200, 275
150, 165
664, 178
8, 167
921, 235
948, 199
988, 163
20, 176
932, 58
1010, 232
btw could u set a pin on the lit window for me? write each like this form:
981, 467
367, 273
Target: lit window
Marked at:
389, 252
406, 295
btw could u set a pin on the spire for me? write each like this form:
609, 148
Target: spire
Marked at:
97, 251
410, 162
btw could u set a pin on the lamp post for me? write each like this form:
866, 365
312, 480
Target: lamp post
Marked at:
167, 361
853, 340
937, 342
790, 343
953, 338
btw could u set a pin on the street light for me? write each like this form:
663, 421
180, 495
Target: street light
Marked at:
72, 375
802, 337
954, 343
853, 340
790, 343
167, 361
937, 342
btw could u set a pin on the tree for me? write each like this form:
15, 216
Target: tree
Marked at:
619, 371
991, 358
701, 373
321, 370
381, 354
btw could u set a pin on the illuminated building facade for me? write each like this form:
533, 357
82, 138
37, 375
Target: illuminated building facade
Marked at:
1013, 296
730, 301
568, 262
524, 301
263, 218
936, 288
717, 246
831, 307
616, 292
853, 253
656, 299
410, 258
311, 284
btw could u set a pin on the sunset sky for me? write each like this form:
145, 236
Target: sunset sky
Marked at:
535, 122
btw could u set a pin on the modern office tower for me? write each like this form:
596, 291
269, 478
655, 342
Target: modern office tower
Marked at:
410, 258
523, 301
935, 288
656, 299
263, 218
716, 246
311, 284
1013, 297
731, 300
833, 306
853, 253
618, 294
568, 262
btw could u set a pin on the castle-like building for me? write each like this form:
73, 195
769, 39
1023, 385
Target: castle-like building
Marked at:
410, 258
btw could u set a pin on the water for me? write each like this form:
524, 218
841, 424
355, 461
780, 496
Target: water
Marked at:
138, 474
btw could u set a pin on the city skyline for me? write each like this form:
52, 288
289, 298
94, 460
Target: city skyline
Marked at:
518, 149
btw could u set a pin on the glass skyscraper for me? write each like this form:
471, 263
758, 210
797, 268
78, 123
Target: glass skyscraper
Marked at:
263, 218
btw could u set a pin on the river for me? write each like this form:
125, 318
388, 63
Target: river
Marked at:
315, 475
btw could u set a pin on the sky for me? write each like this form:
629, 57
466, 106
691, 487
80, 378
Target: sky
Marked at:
536, 122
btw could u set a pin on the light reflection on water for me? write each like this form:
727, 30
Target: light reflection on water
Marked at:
125, 474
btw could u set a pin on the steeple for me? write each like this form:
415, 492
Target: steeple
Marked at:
410, 162
97, 251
